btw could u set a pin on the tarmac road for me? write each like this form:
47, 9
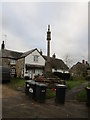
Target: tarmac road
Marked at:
16, 104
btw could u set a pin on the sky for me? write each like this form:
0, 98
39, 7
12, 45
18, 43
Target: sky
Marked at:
24, 27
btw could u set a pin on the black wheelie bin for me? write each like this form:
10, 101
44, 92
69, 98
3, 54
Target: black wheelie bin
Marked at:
27, 86
60, 93
32, 89
41, 92
88, 95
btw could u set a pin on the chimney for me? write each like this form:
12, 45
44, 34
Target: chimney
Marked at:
2, 45
54, 56
40, 51
87, 63
83, 61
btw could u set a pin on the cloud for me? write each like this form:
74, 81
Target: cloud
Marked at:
14, 42
71, 33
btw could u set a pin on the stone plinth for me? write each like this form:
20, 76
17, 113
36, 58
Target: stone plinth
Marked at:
48, 67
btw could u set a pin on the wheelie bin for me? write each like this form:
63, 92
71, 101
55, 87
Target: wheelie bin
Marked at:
40, 92
60, 93
27, 87
32, 89
88, 96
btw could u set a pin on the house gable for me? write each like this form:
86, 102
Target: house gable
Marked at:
30, 58
79, 69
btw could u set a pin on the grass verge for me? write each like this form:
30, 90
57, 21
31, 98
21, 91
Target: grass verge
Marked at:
81, 96
75, 82
16, 83
50, 93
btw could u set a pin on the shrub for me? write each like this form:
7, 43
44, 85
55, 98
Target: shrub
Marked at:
50, 93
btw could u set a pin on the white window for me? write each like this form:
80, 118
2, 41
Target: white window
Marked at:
13, 71
12, 61
35, 58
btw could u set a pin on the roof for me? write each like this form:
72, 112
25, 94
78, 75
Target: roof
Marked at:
57, 63
79, 66
88, 68
27, 53
10, 54
14, 54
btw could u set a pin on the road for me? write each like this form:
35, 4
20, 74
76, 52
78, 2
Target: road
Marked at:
15, 104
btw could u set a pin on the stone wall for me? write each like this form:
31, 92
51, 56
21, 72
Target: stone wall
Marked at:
78, 70
5, 62
20, 67
88, 71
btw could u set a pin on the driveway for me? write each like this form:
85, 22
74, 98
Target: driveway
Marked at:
15, 104
71, 94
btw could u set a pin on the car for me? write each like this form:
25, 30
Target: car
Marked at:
4, 74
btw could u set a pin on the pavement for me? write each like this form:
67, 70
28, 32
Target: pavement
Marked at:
15, 104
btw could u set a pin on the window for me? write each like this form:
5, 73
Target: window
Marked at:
13, 71
35, 58
12, 61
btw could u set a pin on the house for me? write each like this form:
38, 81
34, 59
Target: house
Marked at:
9, 58
32, 63
57, 64
79, 69
29, 63
88, 71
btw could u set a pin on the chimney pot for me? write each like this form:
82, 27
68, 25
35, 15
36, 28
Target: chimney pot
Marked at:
83, 61
40, 51
54, 56
87, 63
3, 45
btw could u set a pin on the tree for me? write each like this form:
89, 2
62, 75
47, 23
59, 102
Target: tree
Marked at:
68, 60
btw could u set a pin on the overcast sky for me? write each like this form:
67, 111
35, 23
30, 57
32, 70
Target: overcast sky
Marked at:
25, 25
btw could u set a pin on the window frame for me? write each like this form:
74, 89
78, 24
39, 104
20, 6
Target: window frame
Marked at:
35, 58
13, 71
12, 61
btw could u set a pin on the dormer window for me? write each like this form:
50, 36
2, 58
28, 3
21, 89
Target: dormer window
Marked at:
35, 58
12, 61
